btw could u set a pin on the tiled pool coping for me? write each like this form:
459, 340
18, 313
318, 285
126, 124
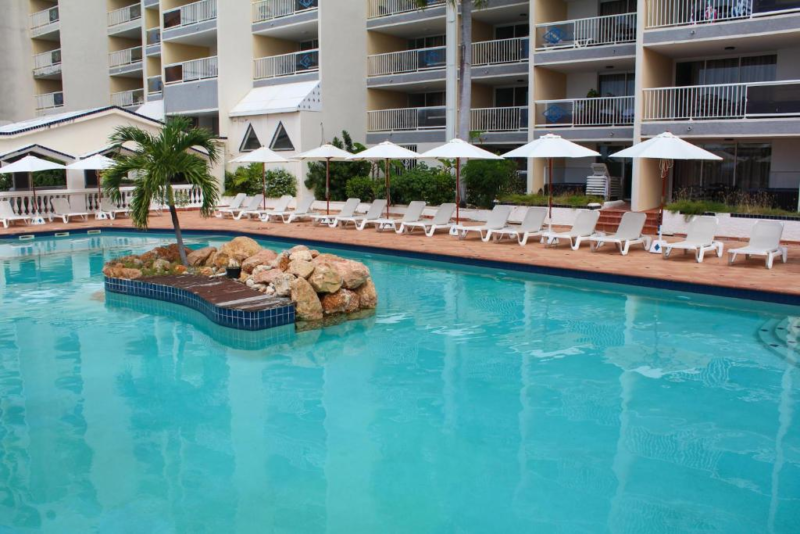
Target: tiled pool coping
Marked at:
238, 319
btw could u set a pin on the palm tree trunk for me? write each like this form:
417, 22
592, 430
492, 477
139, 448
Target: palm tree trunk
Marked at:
176, 224
465, 79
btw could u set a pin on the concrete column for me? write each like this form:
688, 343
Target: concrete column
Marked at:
451, 73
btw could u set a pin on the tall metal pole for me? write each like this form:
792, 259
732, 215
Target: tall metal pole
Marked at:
263, 185
328, 184
451, 71
458, 190
388, 194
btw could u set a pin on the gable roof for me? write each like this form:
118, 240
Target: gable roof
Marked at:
50, 121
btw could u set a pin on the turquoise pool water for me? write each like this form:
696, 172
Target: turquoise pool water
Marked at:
473, 401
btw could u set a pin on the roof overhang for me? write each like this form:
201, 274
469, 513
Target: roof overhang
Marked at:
39, 150
285, 98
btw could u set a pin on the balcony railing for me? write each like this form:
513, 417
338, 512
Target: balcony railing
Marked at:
124, 99
154, 85
395, 120
406, 61
720, 102
666, 13
191, 71
286, 64
275, 9
47, 63
513, 119
500, 51
41, 20
49, 101
129, 56
125, 14
153, 36
580, 112
190, 14
580, 33
386, 8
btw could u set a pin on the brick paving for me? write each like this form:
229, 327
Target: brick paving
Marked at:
783, 278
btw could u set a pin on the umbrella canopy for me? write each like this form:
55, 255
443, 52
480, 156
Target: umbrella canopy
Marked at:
326, 153
97, 162
31, 164
263, 156
386, 151
666, 146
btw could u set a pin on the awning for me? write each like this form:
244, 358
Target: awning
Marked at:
152, 110
286, 98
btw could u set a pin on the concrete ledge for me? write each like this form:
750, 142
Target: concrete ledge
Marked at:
407, 138
126, 69
746, 28
295, 78
192, 29
282, 22
602, 133
589, 53
787, 127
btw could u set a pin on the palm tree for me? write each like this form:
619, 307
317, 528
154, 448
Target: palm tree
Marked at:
157, 161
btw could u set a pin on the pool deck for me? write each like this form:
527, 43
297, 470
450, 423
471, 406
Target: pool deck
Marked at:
680, 269
220, 291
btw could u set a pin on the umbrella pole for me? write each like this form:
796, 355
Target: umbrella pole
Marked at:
458, 190
550, 192
33, 188
388, 198
328, 184
263, 185
665, 166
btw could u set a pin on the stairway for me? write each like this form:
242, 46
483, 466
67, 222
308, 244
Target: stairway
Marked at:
610, 219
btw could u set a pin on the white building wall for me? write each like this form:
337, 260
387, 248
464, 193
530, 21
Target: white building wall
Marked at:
16, 63
84, 54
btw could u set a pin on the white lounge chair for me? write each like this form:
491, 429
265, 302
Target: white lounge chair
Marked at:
348, 210
111, 211
265, 213
765, 240
301, 211
440, 221
231, 208
61, 208
373, 214
628, 233
700, 239
497, 220
531, 226
581, 230
250, 205
7, 215
413, 214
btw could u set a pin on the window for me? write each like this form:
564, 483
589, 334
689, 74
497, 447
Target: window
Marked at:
507, 97
726, 70
309, 45
427, 42
511, 31
281, 141
744, 167
617, 7
250, 141
426, 100
621, 84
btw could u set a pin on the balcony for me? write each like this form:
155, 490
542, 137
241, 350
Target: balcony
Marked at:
44, 22
587, 118
121, 17
153, 42
292, 64
267, 10
191, 71
583, 33
47, 64
668, 13
406, 119
49, 102
125, 61
407, 61
127, 99
155, 86
190, 14
386, 8
512, 119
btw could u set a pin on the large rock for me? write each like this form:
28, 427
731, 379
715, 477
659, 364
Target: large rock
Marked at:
170, 253
307, 304
301, 268
283, 285
343, 301
120, 271
221, 260
367, 295
267, 277
353, 273
199, 257
300, 255
161, 265
240, 248
263, 257
325, 279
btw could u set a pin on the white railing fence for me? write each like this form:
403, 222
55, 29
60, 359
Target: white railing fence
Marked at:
392, 120
385, 8
192, 71
273, 9
407, 61
125, 14
44, 18
129, 56
49, 100
190, 14
43, 63
133, 97
663, 13
500, 51
576, 112
510, 119
286, 64
594, 31
154, 85
153, 36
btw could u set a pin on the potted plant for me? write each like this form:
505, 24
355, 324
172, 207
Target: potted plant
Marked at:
234, 269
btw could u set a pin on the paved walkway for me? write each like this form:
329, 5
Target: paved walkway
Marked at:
783, 278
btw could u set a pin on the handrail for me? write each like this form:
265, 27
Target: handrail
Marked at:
42, 19
419, 59
42, 61
124, 15
265, 10
190, 14
129, 56
670, 13
403, 119
132, 97
49, 100
286, 64
580, 112
592, 31
501, 119
190, 71
387, 8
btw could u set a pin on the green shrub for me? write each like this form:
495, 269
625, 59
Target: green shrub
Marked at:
248, 180
432, 184
575, 201
364, 188
486, 180
281, 182
341, 171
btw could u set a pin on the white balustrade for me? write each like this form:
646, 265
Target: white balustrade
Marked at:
273, 9
124, 15
129, 56
190, 14
420, 59
500, 51
392, 120
49, 101
192, 71
594, 31
665, 13
580, 112
154, 85
286, 64
123, 99
510, 119
47, 63
41, 21
385, 8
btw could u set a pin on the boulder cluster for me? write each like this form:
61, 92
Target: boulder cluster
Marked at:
320, 285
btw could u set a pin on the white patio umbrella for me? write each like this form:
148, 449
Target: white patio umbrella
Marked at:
263, 156
385, 151
97, 162
551, 146
666, 148
326, 153
458, 149
32, 164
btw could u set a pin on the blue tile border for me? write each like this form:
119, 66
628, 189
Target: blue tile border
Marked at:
230, 318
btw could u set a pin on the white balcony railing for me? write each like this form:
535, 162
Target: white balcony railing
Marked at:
129, 56
124, 99
190, 14
191, 71
47, 63
721, 102
49, 101
665, 13
394, 120
274, 9
580, 33
386, 8
421, 59
43, 21
513, 119
500, 52
153, 37
580, 112
154, 85
286, 64
125, 14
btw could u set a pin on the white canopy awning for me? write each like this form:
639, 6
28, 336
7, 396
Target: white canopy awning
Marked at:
285, 98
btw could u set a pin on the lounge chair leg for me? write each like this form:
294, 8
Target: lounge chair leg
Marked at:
731, 258
769, 260
785, 254
577, 244
699, 254
666, 253
624, 248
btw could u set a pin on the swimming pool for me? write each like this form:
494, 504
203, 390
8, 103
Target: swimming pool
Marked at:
473, 401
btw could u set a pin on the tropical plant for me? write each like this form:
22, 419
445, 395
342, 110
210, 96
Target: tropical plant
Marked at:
341, 171
158, 161
569, 199
249, 180
434, 185
486, 180
364, 188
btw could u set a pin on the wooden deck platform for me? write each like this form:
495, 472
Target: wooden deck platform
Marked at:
221, 292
